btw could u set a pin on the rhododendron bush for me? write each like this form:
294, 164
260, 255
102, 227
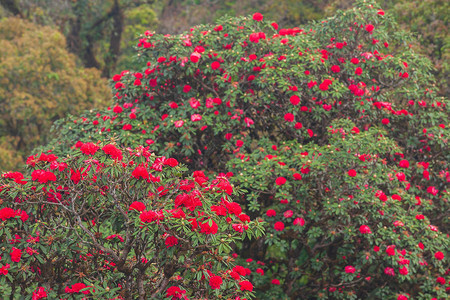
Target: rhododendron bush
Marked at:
114, 222
333, 132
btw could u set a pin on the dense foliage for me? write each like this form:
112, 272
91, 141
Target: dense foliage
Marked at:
333, 130
115, 222
36, 69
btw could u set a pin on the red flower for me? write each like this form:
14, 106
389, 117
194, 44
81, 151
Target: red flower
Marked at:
271, 213
215, 65
127, 127
117, 109
297, 176
289, 117
148, 216
172, 162
171, 241
39, 293
175, 292
369, 28
112, 151
206, 229
335, 69
137, 205
42, 176
364, 229
275, 282
351, 173
439, 255
76, 288
354, 61
140, 172
258, 17
195, 57
16, 254
279, 226
7, 213
186, 88
350, 269
358, 71
404, 164
299, 222
246, 286
385, 121
215, 282
390, 250
280, 181
440, 280
403, 271
295, 100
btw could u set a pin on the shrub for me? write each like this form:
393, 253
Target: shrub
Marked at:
123, 223
333, 130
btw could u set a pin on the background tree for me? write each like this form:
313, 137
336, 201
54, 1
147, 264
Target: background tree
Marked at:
40, 83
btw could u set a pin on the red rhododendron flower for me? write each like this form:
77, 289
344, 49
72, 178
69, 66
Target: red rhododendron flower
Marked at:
297, 176
279, 226
215, 65
385, 121
390, 250
207, 229
364, 229
172, 162
389, 271
175, 292
76, 288
275, 282
112, 151
335, 69
289, 117
246, 286
171, 241
4, 269
351, 173
186, 88
288, 213
404, 164
16, 254
358, 71
350, 269
295, 100
369, 28
215, 282
117, 109
432, 190
280, 181
258, 17
271, 213
440, 280
7, 213
195, 57
439, 255
137, 205
42, 176
299, 222
39, 293
140, 172
127, 127
403, 271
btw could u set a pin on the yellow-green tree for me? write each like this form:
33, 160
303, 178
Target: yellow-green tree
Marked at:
40, 82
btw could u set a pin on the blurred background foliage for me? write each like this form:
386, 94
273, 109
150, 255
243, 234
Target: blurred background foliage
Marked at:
58, 54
